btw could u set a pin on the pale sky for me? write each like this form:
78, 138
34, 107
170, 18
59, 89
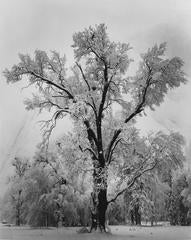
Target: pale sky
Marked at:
27, 25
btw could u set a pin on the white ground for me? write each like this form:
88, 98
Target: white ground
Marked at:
118, 233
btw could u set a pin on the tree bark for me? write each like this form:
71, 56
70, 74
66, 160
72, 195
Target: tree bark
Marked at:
132, 217
137, 215
98, 213
99, 200
18, 221
101, 209
18, 209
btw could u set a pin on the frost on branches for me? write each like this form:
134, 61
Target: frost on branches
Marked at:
99, 80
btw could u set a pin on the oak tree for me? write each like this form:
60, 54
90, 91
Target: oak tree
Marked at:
98, 80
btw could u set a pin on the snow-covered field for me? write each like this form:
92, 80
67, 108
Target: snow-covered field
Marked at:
118, 233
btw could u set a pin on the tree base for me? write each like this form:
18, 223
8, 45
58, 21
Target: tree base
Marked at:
83, 230
86, 230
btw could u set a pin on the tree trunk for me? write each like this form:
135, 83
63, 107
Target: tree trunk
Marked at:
152, 216
99, 200
132, 217
18, 222
152, 222
101, 209
18, 209
98, 213
46, 220
137, 215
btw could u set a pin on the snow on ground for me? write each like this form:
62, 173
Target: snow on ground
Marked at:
118, 233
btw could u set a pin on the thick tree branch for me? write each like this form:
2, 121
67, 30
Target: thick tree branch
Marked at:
132, 182
92, 152
104, 94
93, 107
83, 75
100, 113
89, 89
52, 104
139, 107
109, 157
46, 80
137, 110
91, 133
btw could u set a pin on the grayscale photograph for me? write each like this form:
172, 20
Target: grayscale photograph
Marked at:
95, 119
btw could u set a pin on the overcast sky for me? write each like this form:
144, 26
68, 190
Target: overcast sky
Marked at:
27, 25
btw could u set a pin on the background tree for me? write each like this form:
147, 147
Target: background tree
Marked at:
179, 211
98, 81
186, 194
21, 166
38, 212
153, 154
